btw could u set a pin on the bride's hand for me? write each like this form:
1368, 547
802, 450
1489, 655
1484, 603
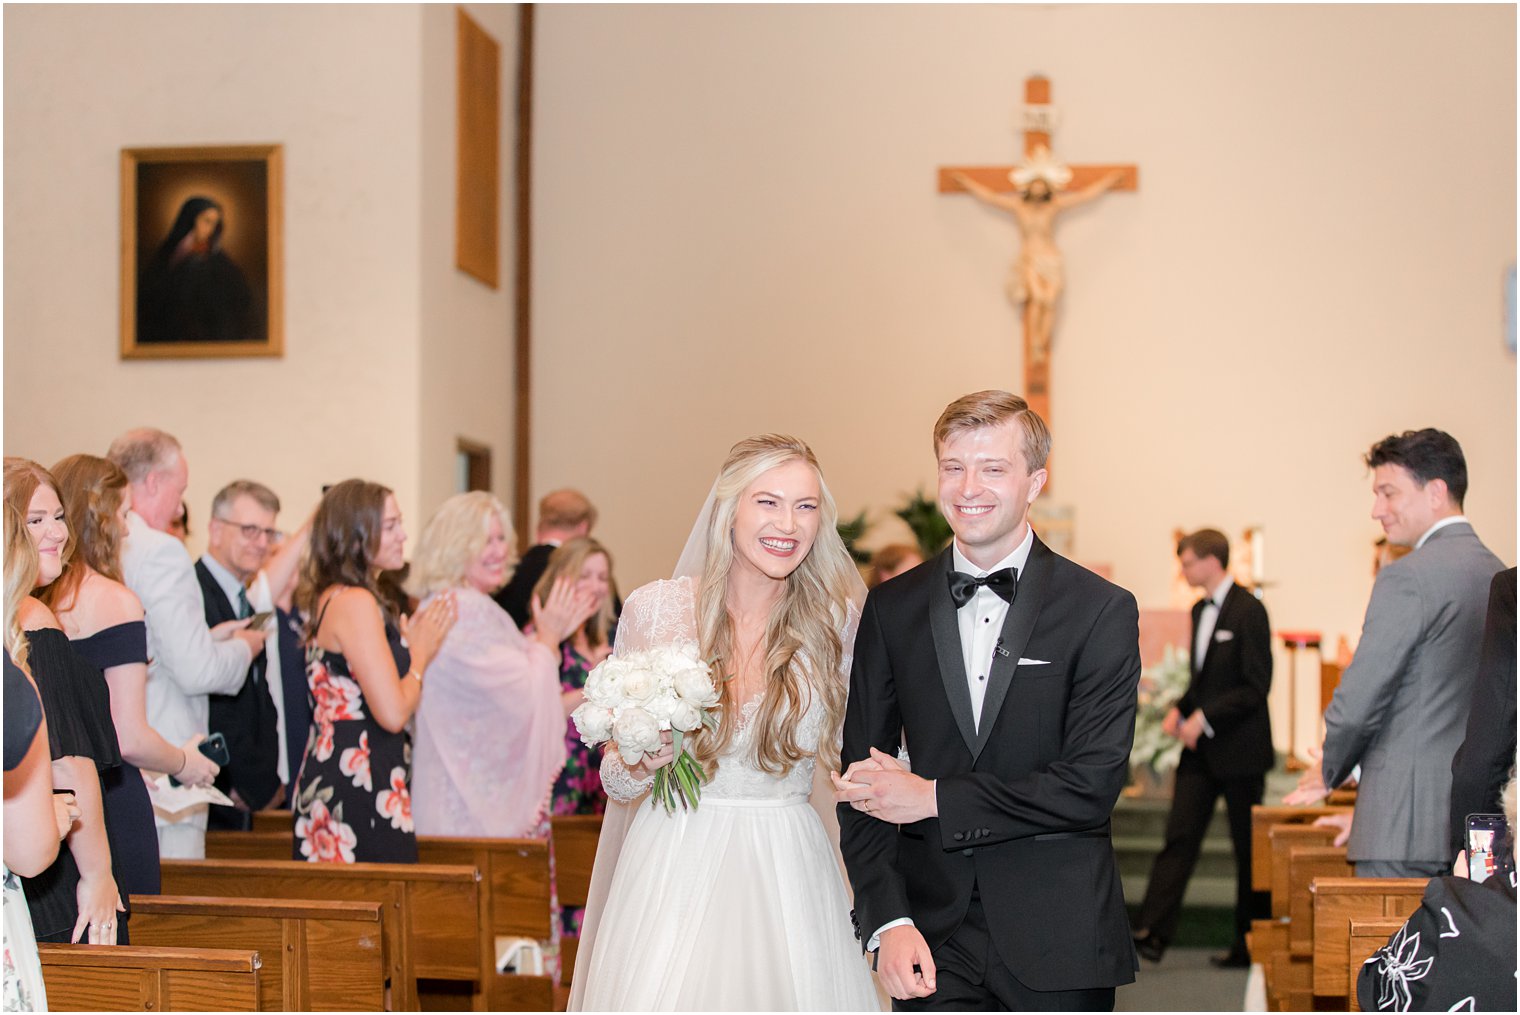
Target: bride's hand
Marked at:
646, 768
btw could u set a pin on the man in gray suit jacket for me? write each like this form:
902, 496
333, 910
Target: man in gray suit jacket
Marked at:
1401, 707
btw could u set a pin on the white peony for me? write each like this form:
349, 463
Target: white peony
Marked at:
638, 733
694, 684
641, 684
685, 716
660, 706
594, 723
605, 683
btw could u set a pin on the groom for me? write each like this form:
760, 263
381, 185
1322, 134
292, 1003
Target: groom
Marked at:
986, 876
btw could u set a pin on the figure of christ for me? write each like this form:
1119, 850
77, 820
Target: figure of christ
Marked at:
1037, 276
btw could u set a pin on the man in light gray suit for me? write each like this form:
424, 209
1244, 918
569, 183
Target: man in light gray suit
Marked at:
1401, 708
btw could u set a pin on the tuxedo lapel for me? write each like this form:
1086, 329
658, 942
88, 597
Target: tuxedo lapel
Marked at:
1018, 625
947, 647
1196, 658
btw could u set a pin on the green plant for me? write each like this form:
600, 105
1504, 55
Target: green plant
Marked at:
851, 530
929, 526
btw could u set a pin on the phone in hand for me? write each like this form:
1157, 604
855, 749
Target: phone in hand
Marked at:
258, 620
213, 747
1490, 850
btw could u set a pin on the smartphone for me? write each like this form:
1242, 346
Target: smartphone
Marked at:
213, 747
258, 620
1490, 851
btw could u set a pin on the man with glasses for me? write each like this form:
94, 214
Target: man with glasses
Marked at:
186, 663
239, 539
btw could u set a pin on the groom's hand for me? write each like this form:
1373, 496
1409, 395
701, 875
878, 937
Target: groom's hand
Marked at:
881, 787
904, 964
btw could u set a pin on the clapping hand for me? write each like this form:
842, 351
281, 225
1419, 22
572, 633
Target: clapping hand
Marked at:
566, 609
424, 632
1311, 785
1340, 822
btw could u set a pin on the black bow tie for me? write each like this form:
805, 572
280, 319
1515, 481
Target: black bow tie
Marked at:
963, 587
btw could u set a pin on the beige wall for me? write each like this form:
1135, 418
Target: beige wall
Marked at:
390, 353
737, 231
466, 367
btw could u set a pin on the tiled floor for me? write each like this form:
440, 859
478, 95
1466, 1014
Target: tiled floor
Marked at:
1184, 980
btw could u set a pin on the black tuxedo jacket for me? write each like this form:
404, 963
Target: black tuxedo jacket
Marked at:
1024, 801
247, 719
1230, 683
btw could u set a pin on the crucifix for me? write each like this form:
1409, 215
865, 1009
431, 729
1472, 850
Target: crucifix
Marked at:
1035, 193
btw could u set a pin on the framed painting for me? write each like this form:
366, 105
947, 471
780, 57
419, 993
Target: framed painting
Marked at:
202, 273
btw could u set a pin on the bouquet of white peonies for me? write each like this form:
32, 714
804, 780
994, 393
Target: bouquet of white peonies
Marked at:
632, 698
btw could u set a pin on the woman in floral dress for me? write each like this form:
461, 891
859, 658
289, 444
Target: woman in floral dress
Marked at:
364, 672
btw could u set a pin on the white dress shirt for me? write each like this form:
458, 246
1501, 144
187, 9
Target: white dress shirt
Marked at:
184, 664
1448, 520
981, 620
981, 628
1208, 619
260, 600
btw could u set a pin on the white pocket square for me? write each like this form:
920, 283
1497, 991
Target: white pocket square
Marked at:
1224, 635
1034, 662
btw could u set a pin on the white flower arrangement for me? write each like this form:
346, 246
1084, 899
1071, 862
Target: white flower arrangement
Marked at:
1161, 686
631, 699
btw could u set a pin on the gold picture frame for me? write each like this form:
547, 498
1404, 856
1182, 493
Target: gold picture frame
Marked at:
202, 254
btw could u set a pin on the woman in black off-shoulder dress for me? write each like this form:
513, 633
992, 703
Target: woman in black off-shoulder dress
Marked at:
77, 896
104, 619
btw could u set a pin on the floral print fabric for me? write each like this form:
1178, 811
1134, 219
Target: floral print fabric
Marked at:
353, 796
578, 790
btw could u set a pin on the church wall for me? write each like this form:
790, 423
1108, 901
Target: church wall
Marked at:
738, 231
466, 366
340, 88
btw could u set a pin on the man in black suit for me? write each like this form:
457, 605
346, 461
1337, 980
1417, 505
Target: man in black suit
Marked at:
986, 875
1226, 735
1481, 765
562, 515
238, 540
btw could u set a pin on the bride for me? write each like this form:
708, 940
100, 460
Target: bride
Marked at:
738, 904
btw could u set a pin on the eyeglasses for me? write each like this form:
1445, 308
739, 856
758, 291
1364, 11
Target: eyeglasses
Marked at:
252, 532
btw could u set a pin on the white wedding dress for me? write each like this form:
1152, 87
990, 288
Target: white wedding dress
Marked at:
738, 905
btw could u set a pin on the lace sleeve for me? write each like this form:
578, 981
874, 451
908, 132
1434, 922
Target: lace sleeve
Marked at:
621, 784
660, 613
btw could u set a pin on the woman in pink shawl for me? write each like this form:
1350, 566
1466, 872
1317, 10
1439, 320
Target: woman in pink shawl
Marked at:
489, 739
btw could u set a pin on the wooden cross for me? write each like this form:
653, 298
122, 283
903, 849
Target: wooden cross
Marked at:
1086, 182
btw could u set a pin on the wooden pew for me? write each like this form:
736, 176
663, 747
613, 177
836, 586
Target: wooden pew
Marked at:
575, 837
1289, 979
317, 956
1263, 819
1282, 840
1366, 937
430, 913
274, 821
514, 901
1338, 901
142, 978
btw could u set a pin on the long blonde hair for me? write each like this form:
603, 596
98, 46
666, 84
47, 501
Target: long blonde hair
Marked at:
20, 578
802, 632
